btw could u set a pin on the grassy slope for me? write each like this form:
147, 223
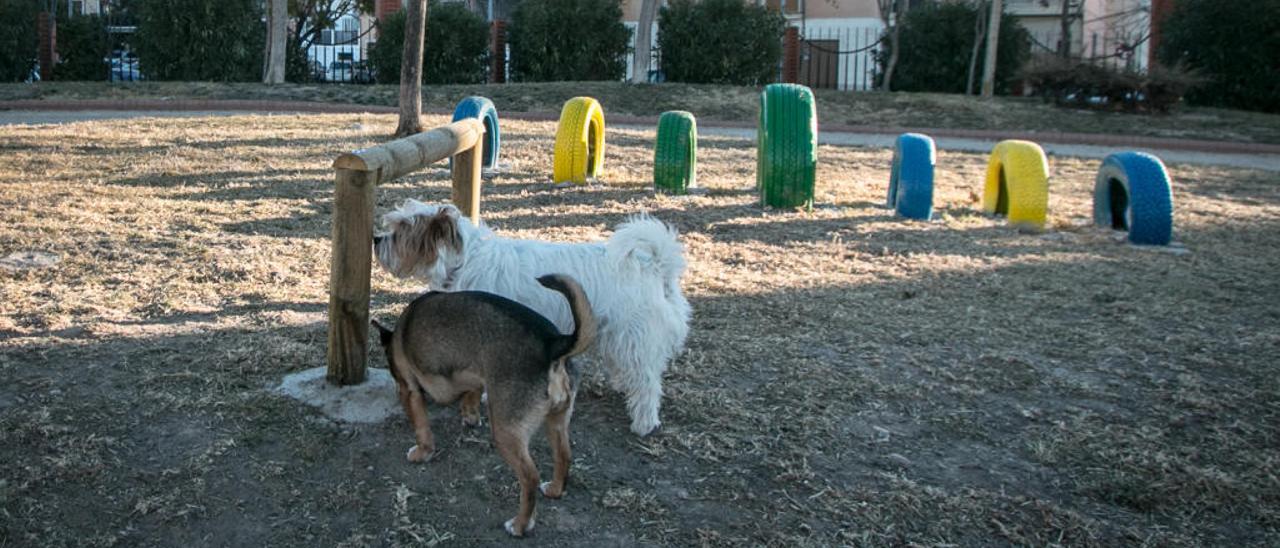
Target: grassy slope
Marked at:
922, 110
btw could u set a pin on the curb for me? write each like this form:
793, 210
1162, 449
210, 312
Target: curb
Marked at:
248, 105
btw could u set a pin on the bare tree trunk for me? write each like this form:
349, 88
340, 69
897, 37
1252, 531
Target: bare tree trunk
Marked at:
644, 49
993, 39
979, 34
411, 69
891, 13
277, 32
1064, 44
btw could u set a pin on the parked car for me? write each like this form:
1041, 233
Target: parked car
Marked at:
339, 71
124, 69
316, 69
364, 73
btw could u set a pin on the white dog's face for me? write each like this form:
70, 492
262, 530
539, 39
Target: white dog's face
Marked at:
421, 240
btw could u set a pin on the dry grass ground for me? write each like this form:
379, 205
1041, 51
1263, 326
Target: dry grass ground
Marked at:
850, 378
716, 102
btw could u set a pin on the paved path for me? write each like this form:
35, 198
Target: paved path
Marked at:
1244, 155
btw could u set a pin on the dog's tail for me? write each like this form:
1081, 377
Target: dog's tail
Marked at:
645, 243
584, 322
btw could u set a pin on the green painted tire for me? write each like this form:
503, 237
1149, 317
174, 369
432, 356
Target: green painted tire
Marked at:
787, 146
675, 153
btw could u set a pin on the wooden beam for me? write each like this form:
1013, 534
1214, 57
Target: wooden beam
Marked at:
466, 181
352, 236
355, 178
403, 156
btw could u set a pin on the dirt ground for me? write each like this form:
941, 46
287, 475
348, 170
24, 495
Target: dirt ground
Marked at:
850, 378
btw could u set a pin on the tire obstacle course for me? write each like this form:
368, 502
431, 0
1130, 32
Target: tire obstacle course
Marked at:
911, 177
675, 153
579, 152
1017, 183
787, 146
1132, 190
1132, 193
482, 109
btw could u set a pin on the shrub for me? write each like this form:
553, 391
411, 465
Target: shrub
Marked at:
719, 42
936, 40
1080, 84
297, 68
456, 49
558, 40
219, 40
1235, 45
17, 39
83, 46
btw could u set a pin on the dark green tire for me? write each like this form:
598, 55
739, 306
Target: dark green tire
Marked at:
675, 153
787, 146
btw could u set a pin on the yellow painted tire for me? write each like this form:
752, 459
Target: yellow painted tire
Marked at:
1017, 183
579, 150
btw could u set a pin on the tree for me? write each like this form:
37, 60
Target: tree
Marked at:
643, 50
18, 40
201, 40
456, 46
979, 36
993, 46
936, 47
568, 40
720, 42
274, 60
1065, 19
1234, 45
411, 69
891, 12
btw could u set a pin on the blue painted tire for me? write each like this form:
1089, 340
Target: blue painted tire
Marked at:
482, 108
1132, 193
911, 180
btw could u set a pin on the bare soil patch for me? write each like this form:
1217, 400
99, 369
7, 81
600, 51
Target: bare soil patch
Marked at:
851, 378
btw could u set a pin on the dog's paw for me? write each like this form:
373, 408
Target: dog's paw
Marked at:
549, 492
419, 454
510, 526
643, 427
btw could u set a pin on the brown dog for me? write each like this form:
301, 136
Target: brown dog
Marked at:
466, 342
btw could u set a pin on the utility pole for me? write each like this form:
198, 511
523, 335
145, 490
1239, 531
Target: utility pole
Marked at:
993, 38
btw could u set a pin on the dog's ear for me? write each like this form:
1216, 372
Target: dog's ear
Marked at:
443, 229
384, 334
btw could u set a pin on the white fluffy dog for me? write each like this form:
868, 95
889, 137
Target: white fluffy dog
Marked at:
632, 281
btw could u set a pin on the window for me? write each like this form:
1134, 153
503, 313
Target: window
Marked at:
789, 7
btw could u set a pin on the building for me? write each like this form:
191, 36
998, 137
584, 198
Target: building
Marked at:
1114, 32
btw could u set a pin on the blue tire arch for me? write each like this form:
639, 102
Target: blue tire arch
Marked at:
482, 108
1132, 193
911, 178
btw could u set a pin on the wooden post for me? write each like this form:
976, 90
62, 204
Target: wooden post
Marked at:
466, 181
791, 55
355, 176
349, 273
47, 51
499, 54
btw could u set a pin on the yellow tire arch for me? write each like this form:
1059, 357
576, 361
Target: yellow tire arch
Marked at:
1017, 183
579, 152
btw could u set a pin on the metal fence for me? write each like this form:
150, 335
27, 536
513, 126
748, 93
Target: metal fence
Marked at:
341, 56
839, 58
1109, 50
